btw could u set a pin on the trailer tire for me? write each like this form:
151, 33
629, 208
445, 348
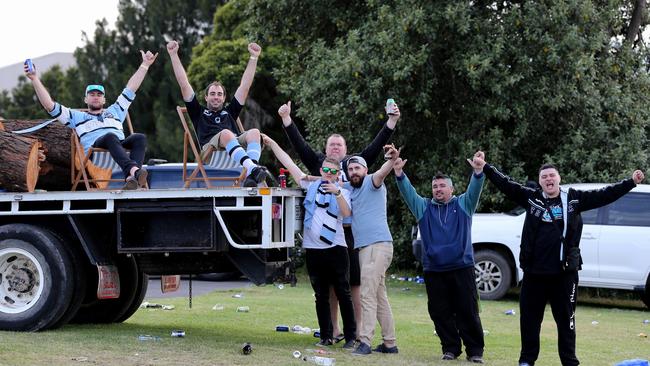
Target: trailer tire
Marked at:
112, 310
36, 282
80, 264
141, 291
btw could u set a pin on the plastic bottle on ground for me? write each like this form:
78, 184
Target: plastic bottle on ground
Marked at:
322, 361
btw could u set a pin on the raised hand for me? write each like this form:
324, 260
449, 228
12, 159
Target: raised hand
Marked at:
172, 47
285, 113
30, 74
477, 162
638, 176
390, 152
148, 58
398, 165
267, 140
254, 49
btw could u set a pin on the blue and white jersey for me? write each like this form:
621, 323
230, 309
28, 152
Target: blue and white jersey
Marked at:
90, 127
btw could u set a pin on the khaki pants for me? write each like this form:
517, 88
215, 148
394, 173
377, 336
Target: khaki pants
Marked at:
214, 142
374, 261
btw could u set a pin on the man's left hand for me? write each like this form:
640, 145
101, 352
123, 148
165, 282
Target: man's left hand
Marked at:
254, 49
638, 176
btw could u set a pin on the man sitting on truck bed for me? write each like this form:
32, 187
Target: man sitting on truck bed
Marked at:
102, 127
215, 125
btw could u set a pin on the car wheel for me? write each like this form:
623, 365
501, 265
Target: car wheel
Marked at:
493, 274
36, 278
646, 294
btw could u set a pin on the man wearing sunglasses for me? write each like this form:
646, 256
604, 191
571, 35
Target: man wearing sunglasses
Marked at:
326, 204
102, 127
336, 148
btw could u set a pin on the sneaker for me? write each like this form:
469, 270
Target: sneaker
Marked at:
324, 343
141, 176
349, 345
383, 349
475, 359
524, 364
257, 175
363, 349
131, 184
448, 356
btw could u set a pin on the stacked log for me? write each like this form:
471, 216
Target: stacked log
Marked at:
51, 169
20, 159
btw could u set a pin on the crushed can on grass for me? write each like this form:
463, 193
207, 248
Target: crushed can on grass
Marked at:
282, 328
243, 309
637, 362
178, 333
510, 312
246, 348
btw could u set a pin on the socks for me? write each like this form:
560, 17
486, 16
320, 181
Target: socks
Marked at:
254, 150
238, 154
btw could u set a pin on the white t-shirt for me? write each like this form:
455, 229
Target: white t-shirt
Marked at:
311, 236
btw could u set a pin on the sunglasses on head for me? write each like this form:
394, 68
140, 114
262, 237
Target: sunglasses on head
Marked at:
330, 170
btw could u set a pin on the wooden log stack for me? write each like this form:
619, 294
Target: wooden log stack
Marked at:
20, 159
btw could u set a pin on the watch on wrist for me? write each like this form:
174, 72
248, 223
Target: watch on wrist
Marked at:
337, 194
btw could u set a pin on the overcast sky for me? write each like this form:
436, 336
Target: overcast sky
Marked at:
32, 28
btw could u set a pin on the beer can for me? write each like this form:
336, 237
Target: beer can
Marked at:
30, 65
247, 348
243, 309
178, 333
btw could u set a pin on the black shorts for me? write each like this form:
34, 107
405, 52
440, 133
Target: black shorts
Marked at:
355, 270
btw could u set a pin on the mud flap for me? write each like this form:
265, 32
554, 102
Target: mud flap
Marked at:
108, 284
170, 283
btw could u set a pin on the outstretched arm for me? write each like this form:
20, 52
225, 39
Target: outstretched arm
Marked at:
136, 80
381, 174
179, 71
372, 151
507, 185
249, 74
606, 195
308, 156
41, 93
413, 200
284, 158
469, 200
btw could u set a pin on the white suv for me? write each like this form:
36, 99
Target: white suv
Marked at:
615, 246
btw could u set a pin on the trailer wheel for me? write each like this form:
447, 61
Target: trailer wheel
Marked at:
493, 274
113, 310
141, 291
80, 264
36, 282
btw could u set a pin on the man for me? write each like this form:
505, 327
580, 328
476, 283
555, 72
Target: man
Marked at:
550, 253
445, 223
102, 128
326, 251
375, 243
215, 124
336, 148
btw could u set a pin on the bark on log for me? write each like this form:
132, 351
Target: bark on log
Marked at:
19, 162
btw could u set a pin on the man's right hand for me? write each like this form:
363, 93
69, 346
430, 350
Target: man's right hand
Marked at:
30, 75
172, 48
285, 113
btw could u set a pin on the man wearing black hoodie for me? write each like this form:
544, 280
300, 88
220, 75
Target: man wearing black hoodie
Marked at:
550, 253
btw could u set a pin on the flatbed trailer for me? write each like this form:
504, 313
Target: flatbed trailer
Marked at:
85, 256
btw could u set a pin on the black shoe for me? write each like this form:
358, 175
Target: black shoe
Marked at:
339, 338
363, 349
349, 345
131, 184
324, 343
141, 177
383, 349
448, 356
257, 175
475, 359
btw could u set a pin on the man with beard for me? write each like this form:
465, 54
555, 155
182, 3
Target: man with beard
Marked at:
336, 148
445, 223
375, 243
324, 242
102, 128
550, 253
215, 124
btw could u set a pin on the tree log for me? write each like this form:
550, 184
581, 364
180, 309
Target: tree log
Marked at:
19, 161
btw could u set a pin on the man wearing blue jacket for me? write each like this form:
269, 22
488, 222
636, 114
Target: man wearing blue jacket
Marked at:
445, 223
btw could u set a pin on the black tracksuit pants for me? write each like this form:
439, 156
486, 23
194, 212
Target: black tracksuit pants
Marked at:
136, 142
453, 307
331, 267
561, 290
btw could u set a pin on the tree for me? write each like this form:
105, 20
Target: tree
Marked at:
528, 82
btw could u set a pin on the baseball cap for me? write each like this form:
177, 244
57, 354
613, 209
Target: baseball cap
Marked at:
358, 160
96, 87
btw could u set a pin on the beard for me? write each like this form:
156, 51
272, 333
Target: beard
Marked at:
356, 181
95, 107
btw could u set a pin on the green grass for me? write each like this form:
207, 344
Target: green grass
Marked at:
215, 337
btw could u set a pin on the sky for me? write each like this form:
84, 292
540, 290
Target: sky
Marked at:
33, 28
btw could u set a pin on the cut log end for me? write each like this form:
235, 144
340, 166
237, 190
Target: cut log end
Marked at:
33, 166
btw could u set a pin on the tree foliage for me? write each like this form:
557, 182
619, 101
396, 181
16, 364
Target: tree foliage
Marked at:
527, 82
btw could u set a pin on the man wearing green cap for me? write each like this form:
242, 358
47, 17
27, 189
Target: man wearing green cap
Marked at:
102, 127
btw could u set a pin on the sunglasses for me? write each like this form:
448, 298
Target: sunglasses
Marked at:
330, 170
